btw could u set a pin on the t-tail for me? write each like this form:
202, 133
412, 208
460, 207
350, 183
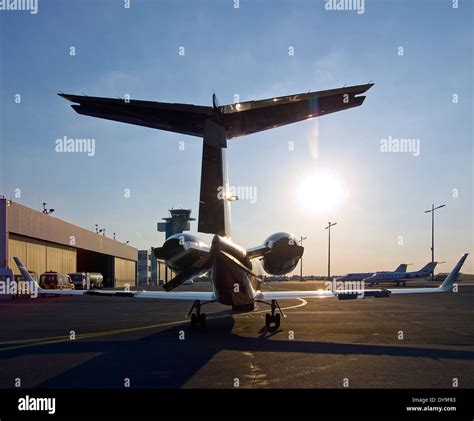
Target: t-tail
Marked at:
401, 268
430, 267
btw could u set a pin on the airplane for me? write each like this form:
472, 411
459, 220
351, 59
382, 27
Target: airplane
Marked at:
363, 275
236, 273
401, 277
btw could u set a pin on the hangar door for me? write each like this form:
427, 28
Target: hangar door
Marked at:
125, 272
40, 256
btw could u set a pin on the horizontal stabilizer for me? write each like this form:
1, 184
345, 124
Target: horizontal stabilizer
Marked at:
179, 118
237, 119
255, 116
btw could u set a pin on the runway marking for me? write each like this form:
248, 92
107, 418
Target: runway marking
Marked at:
58, 339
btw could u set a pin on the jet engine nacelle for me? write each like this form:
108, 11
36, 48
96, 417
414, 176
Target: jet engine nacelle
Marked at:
283, 255
181, 250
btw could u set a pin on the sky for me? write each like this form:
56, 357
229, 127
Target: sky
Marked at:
418, 53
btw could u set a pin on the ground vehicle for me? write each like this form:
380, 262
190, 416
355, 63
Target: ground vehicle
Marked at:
87, 280
55, 280
96, 280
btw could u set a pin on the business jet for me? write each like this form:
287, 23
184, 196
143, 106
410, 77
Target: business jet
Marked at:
360, 276
401, 277
236, 273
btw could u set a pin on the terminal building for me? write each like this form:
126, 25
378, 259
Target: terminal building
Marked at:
152, 271
45, 243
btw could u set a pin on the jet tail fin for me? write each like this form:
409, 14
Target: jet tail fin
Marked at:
430, 267
401, 268
214, 206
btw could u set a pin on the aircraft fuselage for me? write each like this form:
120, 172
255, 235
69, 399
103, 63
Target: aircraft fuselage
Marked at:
232, 284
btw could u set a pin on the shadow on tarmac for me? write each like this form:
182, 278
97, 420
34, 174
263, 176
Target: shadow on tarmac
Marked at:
162, 360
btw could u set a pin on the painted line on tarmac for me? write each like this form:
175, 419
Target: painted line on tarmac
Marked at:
58, 339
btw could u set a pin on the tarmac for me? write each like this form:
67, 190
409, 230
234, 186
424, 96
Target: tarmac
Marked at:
418, 341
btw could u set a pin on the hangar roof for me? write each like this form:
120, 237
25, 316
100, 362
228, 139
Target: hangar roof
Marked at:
28, 222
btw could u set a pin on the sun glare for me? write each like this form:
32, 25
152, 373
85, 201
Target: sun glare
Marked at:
322, 192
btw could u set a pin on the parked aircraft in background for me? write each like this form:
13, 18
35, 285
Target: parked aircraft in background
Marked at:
363, 275
401, 277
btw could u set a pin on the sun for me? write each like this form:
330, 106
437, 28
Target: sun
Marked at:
322, 192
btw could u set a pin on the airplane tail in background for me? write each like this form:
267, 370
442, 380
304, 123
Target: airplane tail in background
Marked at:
401, 268
430, 267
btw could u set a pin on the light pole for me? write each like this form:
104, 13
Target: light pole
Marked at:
432, 210
301, 258
330, 224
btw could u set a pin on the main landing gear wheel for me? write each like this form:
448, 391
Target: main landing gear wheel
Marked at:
272, 320
198, 318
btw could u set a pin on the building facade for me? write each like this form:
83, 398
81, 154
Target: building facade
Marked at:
150, 270
45, 243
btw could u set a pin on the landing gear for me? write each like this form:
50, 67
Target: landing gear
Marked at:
198, 318
272, 320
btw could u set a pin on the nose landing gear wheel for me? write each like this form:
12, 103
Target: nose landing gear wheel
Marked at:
202, 320
197, 318
277, 320
272, 320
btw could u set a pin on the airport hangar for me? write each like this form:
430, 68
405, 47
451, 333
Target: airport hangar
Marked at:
45, 243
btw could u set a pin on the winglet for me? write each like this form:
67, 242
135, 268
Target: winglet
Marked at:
448, 283
26, 275
215, 101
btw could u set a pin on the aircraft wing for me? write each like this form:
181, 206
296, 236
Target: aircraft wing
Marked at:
180, 118
254, 116
446, 286
161, 295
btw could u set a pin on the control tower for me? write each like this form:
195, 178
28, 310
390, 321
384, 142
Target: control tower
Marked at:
179, 221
